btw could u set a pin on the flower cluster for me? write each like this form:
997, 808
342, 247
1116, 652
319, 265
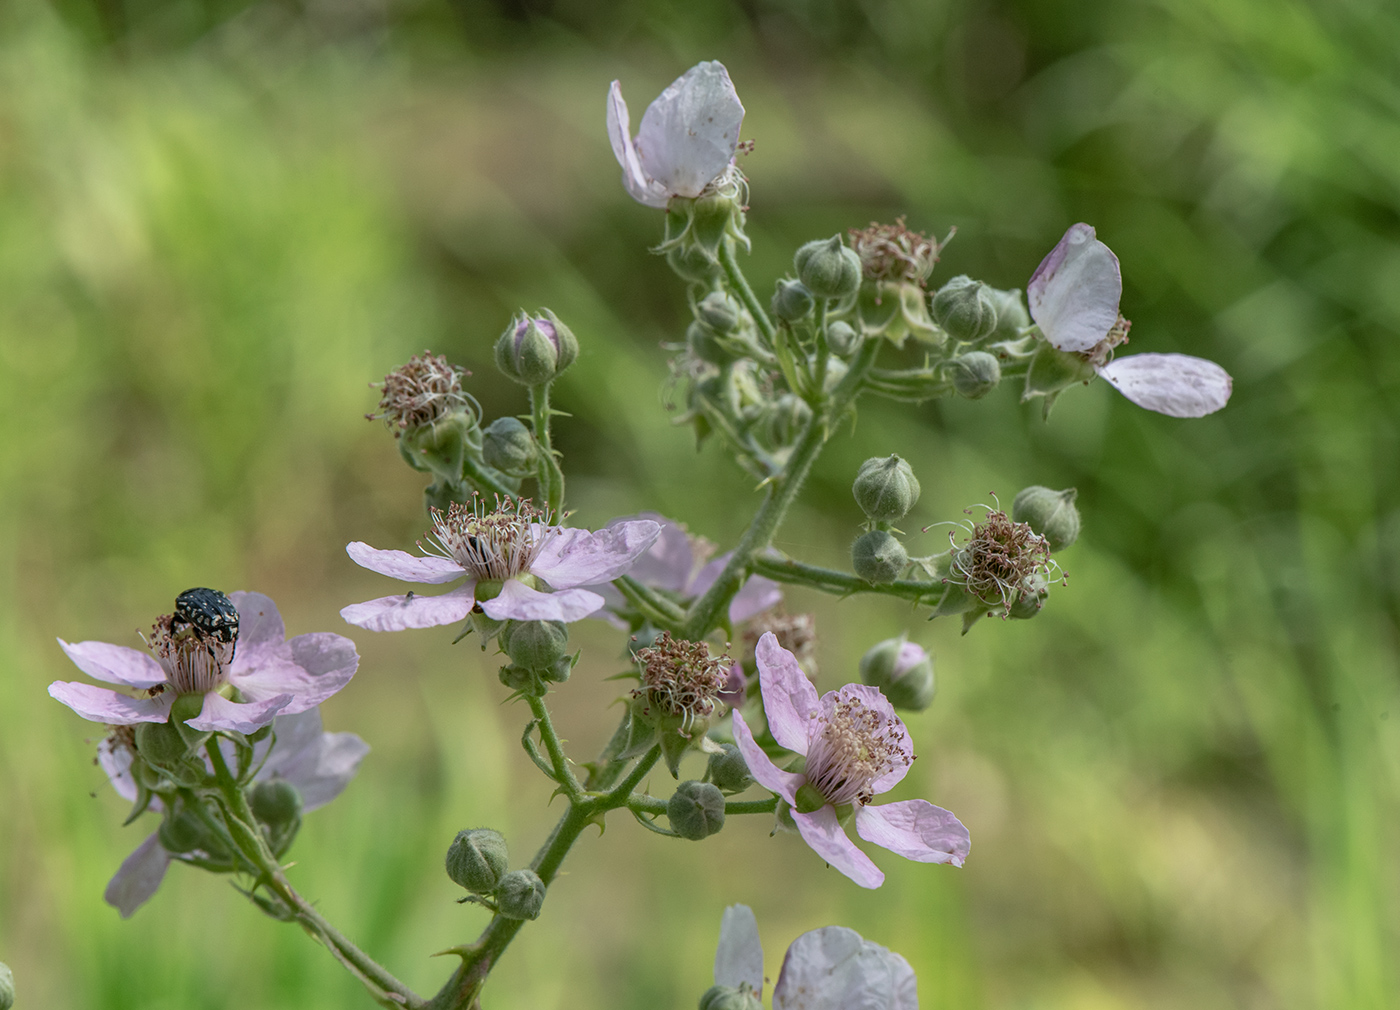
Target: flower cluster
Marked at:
1000, 560
681, 679
420, 393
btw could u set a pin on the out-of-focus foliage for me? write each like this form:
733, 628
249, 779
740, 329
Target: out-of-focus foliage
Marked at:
218, 221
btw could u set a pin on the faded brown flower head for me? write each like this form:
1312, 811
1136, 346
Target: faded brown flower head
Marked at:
420, 393
797, 633
1102, 352
996, 564
681, 678
892, 252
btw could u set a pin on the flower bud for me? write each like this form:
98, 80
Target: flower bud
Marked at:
842, 338
728, 769
885, 488
508, 446
275, 802
1050, 513
478, 860
7, 987
558, 671
535, 645
703, 342
975, 374
535, 349
181, 831
520, 895
792, 301
878, 557
727, 997
692, 262
828, 268
902, 671
719, 311
696, 810
519, 678
785, 419
160, 744
1012, 316
964, 308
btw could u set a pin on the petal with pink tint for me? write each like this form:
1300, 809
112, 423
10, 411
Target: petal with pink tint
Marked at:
915, 829
668, 563
757, 595
1177, 385
833, 968
396, 613
311, 668
239, 717
789, 699
115, 664
259, 624
98, 704
761, 766
138, 878
404, 566
1074, 293
873, 698
822, 831
577, 557
116, 762
518, 602
739, 955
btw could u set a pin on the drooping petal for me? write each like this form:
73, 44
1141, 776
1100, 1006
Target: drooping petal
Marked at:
311, 668
822, 831
1074, 293
761, 766
915, 829
1177, 385
396, 613
259, 624
689, 134
833, 968
115, 664
240, 717
138, 877
668, 563
518, 602
578, 557
319, 764
874, 699
739, 956
116, 762
98, 704
789, 699
638, 186
404, 566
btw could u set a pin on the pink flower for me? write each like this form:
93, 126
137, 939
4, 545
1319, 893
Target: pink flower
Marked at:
855, 748
269, 676
687, 139
509, 557
1074, 296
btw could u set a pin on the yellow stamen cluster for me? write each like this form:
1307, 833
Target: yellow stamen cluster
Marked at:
856, 746
492, 543
681, 678
421, 392
195, 662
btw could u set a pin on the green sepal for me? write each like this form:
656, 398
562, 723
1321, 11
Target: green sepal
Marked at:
673, 748
143, 801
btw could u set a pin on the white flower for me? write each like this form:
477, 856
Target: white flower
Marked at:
687, 139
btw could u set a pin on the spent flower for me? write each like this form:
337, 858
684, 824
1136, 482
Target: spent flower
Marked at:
421, 393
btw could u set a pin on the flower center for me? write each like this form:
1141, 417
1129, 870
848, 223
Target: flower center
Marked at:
892, 252
996, 563
421, 392
495, 544
681, 678
195, 661
857, 745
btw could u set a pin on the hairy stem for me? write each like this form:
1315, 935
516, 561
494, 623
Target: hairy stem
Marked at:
829, 580
550, 477
740, 284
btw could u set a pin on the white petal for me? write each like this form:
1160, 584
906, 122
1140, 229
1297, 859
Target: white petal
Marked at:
1074, 293
739, 956
139, 877
833, 968
689, 134
1177, 385
641, 189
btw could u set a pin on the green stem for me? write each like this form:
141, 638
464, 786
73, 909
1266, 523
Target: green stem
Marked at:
604, 772
829, 580
823, 353
740, 284
564, 774
550, 478
384, 987
663, 613
652, 805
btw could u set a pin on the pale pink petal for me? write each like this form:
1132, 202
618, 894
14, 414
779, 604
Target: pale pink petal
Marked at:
98, 704
1177, 385
832, 968
518, 602
404, 566
757, 595
576, 557
239, 717
789, 700
319, 764
668, 562
910, 655
873, 698
761, 766
639, 187
116, 762
259, 624
138, 878
739, 956
915, 829
1074, 293
396, 613
689, 134
115, 664
822, 831
311, 668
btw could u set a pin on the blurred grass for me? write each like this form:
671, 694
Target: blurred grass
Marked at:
219, 221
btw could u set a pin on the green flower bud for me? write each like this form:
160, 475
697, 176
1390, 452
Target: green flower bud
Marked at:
719, 311
877, 557
181, 831
7, 987
535, 645
885, 488
520, 895
725, 997
275, 802
1012, 316
828, 268
704, 344
842, 338
478, 860
792, 301
1031, 599
786, 419
696, 810
975, 374
161, 744
902, 671
964, 308
729, 770
519, 678
560, 670
534, 350
1050, 513
508, 446
692, 262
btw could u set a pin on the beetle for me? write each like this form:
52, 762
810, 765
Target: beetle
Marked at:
207, 610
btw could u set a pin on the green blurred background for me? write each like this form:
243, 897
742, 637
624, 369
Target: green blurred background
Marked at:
220, 220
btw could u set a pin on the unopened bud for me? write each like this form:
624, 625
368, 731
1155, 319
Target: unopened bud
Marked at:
696, 810
535, 349
181, 831
478, 860
727, 997
719, 311
1050, 513
704, 344
786, 419
520, 895
535, 645
975, 374
885, 488
964, 308
276, 802
508, 446
902, 671
160, 744
878, 557
828, 268
792, 301
842, 338
1012, 316
728, 769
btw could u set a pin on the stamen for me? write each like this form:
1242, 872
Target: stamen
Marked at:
421, 392
681, 678
857, 745
894, 252
195, 661
797, 633
495, 544
998, 561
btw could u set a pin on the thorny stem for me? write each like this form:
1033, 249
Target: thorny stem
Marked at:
660, 611
829, 580
563, 774
551, 478
653, 805
740, 284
